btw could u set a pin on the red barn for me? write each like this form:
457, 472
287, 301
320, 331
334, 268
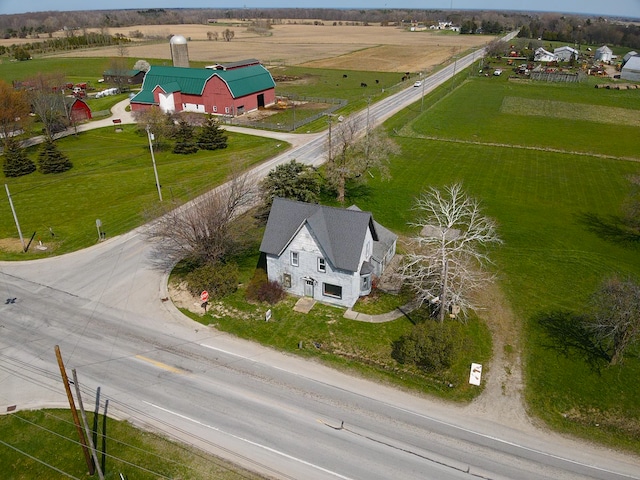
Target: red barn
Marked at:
77, 109
231, 89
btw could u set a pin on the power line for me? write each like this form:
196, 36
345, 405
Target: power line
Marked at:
38, 460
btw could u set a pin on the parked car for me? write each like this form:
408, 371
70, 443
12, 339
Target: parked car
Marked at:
497, 72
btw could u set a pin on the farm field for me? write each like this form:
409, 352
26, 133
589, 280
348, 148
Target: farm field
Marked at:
352, 47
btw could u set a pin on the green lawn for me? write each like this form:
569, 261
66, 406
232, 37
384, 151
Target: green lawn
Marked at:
51, 436
547, 205
113, 180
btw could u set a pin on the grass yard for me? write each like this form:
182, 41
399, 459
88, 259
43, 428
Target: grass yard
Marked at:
358, 347
50, 435
548, 205
113, 180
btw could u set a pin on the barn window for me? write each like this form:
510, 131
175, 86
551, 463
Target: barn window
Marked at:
215, 108
226, 109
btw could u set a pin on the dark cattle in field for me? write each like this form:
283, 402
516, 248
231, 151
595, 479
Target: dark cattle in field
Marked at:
363, 84
404, 78
344, 75
377, 81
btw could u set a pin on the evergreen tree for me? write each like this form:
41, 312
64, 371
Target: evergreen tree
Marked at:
52, 160
185, 143
212, 137
16, 162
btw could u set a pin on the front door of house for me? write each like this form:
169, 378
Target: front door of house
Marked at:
308, 288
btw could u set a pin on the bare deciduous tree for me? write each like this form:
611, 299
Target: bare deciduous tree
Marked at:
228, 35
200, 230
446, 265
47, 100
352, 154
615, 321
212, 35
157, 122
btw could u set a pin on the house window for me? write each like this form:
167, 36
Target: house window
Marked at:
366, 283
322, 266
329, 290
294, 259
286, 280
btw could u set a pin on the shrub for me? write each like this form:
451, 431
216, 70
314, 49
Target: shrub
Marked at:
260, 289
431, 346
219, 279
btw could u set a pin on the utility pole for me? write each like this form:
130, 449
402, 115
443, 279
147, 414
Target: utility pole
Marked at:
74, 412
153, 160
15, 218
86, 426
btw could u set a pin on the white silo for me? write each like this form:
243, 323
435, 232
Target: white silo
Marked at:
179, 51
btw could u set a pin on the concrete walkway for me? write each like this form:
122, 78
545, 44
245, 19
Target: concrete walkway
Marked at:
383, 317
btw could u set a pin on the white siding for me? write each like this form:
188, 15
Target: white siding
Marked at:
308, 253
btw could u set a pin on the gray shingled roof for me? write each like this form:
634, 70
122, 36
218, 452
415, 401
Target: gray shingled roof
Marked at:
385, 239
339, 232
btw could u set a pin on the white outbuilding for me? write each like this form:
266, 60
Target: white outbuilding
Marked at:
603, 54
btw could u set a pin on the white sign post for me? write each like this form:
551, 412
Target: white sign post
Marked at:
476, 374
267, 315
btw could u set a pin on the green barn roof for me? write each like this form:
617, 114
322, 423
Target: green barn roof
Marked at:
241, 81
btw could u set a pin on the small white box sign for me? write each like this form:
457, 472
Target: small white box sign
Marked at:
476, 374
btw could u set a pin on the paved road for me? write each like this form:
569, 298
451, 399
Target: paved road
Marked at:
277, 414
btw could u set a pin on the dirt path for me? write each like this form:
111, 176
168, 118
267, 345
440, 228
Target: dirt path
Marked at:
502, 398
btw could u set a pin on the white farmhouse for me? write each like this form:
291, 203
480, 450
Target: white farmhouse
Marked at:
327, 253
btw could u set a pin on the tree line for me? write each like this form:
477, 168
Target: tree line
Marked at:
547, 26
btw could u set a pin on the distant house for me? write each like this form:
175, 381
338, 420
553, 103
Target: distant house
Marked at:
603, 54
631, 69
123, 77
76, 110
225, 89
330, 254
541, 55
565, 54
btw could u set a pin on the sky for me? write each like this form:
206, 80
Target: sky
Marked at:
625, 8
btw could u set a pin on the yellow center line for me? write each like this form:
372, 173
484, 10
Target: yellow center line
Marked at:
164, 366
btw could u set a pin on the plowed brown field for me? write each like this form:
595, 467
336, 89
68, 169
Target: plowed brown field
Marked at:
372, 48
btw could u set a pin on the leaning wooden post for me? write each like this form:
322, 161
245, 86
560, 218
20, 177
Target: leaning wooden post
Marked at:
74, 412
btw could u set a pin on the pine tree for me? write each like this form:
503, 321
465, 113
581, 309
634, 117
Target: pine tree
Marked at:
185, 143
16, 162
52, 160
212, 137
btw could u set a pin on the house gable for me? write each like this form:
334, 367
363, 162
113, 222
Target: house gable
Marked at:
324, 252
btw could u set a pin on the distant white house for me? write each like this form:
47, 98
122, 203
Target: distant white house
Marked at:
566, 53
542, 55
603, 54
330, 254
631, 69
445, 26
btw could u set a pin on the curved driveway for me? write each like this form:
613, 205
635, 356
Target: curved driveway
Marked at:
277, 414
